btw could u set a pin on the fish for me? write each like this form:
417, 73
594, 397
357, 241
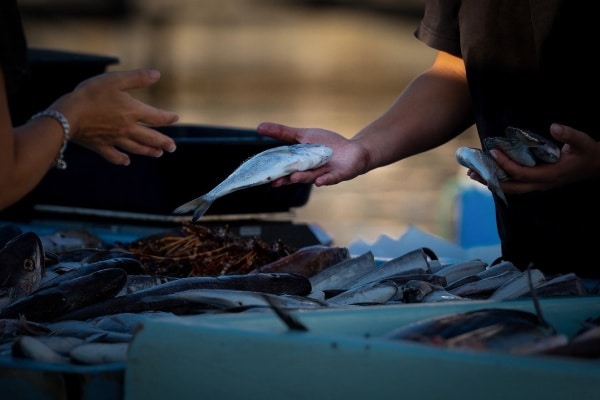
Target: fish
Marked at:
499, 329
307, 261
126, 322
413, 262
87, 331
456, 271
518, 285
140, 282
22, 267
100, 353
32, 348
259, 169
484, 164
416, 291
484, 287
523, 146
563, 285
129, 265
339, 276
49, 303
378, 292
542, 148
276, 283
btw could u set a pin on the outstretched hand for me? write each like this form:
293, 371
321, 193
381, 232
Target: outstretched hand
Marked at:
105, 118
579, 160
348, 160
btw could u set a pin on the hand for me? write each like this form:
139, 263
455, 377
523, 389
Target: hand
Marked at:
347, 162
579, 160
106, 119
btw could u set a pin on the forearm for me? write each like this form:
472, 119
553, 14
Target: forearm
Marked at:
26, 153
433, 109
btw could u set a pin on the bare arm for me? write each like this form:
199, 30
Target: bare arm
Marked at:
433, 109
103, 117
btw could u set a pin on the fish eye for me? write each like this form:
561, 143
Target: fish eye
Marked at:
28, 264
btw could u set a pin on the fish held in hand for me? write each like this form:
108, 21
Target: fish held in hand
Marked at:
484, 164
259, 169
524, 146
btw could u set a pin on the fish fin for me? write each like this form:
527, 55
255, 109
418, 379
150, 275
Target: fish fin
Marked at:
288, 319
198, 205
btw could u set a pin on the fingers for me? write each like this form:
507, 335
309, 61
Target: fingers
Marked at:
153, 116
124, 80
146, 141
281, 132
573, 139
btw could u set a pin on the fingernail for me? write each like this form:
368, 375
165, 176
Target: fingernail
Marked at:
557, 129
494, 153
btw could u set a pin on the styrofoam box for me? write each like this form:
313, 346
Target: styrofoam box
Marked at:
344, 356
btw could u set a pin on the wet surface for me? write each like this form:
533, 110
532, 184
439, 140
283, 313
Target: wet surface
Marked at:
241, 62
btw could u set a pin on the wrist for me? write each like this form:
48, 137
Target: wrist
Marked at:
59, 161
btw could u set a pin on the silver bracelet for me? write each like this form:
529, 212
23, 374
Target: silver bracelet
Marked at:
59, 162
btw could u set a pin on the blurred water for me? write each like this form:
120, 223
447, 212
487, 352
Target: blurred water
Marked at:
240, 62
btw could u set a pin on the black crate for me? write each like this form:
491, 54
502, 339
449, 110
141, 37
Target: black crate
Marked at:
205, 156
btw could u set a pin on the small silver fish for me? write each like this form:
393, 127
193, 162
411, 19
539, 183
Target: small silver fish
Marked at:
259, 169
544, 149
524, 146
484, 164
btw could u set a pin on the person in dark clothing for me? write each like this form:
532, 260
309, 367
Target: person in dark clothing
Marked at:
98, 114
526, 64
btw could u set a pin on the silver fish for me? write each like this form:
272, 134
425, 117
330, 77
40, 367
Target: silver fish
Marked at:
518, 285
341, 274
544, 149
484, 164
413, 262
259, 169
100, 353
525, 147
488, 328
462, 269
34, 349
377, 292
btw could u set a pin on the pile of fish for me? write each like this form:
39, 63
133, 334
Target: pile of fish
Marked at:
85, 305
523, 146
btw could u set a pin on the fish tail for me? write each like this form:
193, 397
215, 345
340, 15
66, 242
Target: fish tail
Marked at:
198, 205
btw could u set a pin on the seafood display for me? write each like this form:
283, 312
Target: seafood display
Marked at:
521, 145
259, 169
99, 297
196, 250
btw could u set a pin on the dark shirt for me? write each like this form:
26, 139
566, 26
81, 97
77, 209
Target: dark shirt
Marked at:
529, 64
13, 46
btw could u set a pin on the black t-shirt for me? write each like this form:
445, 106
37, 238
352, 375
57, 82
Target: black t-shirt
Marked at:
13, 46
529, 64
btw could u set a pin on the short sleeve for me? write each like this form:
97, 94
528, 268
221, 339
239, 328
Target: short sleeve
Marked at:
439, 27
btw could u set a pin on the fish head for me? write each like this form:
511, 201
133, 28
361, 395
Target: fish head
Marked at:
22, 263
549, 152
